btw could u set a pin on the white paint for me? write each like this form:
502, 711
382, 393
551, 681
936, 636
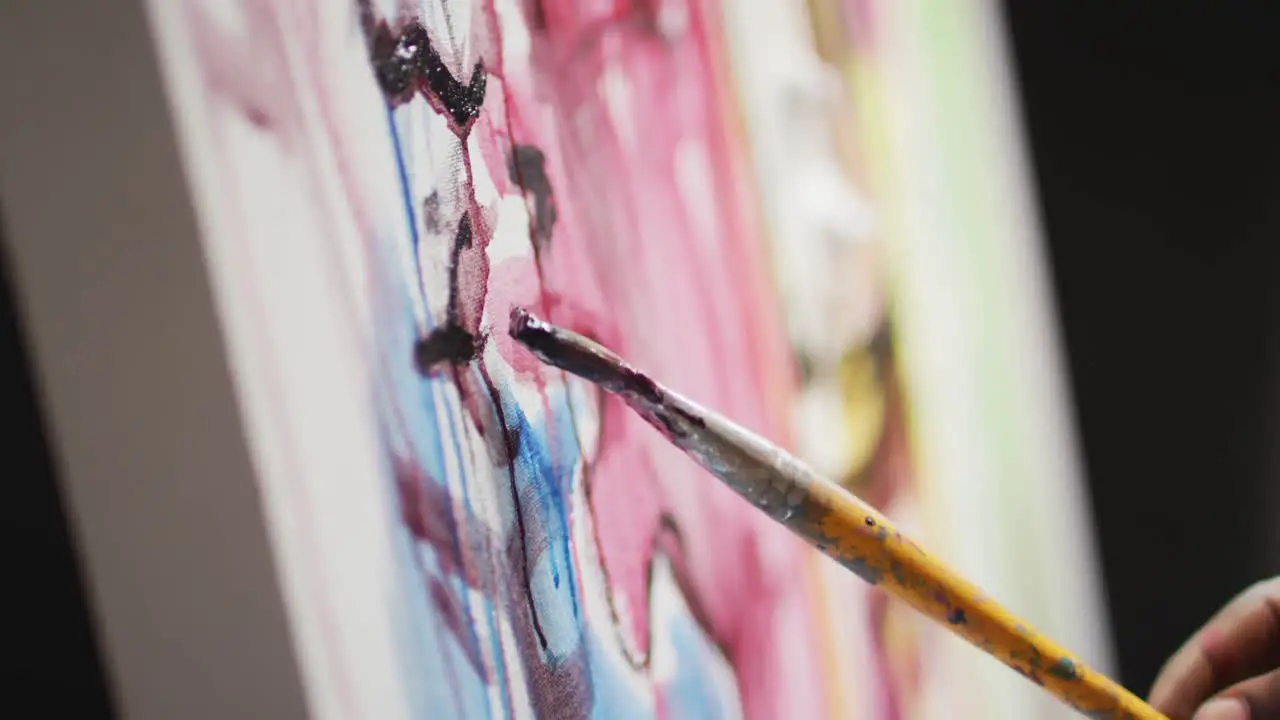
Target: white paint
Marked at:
595, 600
693, 178
615, 90
816, 217
516, 40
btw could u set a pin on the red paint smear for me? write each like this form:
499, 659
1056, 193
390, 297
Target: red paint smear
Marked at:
512, 283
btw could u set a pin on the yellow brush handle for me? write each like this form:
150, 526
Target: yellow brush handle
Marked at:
861, 539
835, 522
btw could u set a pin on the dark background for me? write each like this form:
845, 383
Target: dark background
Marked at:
49, 666
1155, 135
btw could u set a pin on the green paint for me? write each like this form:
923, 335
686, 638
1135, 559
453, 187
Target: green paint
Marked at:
1065, 669
968, 147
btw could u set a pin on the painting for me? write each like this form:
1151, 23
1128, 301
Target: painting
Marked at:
461, 531
816, 175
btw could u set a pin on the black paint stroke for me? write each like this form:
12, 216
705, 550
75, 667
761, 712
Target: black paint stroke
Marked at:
527, 168
431, 220
447, 343
462, 240
508, 437
410, 63
450, 342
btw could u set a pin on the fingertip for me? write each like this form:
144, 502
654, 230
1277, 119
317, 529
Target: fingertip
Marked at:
1185, 681
1222, 709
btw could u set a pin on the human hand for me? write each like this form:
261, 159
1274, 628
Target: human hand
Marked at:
1230, 669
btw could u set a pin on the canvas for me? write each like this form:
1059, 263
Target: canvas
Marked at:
926, 126
728, 194
544, 553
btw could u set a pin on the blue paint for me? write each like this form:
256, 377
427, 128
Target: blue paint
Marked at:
423, 422
614, 696
695, 679
536, 466
536, 470
696, 691
406, 195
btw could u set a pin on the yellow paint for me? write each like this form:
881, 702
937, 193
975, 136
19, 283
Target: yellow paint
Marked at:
865, 541
865, 407
834, 680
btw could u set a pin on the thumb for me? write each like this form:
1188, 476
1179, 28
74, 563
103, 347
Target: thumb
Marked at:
1223, 708
1257, 698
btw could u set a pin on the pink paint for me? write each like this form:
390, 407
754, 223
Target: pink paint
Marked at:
633, 264
513, 283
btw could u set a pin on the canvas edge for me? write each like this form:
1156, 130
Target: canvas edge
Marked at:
1070, 513
133, 371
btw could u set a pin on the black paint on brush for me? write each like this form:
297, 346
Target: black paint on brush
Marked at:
582, 357
588, 360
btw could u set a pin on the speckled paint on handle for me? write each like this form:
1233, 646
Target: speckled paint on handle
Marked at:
865, 542
835, 522
858, 537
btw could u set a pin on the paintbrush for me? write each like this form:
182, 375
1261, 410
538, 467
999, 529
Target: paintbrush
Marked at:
835, 522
